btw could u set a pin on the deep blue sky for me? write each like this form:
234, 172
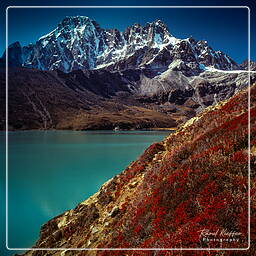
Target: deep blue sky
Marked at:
224, 29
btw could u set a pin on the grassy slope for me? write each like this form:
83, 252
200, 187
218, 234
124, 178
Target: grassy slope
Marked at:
195, 179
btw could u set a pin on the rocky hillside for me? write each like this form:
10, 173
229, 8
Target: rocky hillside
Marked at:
195, 180
80, 43
101, 99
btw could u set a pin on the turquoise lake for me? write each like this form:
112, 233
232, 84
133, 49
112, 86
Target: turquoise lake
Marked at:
52, 171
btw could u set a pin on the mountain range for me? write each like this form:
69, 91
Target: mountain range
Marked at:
80, 43
81, 76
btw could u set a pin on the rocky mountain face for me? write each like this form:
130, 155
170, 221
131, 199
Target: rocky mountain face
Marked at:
195, 179
80, 43
14, 55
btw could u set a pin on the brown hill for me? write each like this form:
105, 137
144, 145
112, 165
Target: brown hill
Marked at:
79, 100
100, 99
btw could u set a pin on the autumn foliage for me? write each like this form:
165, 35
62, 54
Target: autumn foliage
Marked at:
200, 183
195, 180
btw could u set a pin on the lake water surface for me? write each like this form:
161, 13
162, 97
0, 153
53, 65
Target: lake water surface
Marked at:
52, 171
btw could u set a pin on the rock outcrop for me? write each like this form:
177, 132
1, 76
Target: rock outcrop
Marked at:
244, 65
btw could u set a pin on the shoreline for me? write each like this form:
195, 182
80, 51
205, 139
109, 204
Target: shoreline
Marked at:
90, 130
163, 129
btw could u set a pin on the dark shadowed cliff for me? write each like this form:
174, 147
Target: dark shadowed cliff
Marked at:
196, 179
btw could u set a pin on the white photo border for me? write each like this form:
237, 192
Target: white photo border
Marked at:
131, 249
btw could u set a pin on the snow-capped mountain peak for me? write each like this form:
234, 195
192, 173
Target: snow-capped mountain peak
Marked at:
78, 42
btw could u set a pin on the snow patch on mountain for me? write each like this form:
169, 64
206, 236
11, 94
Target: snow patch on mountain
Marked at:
80, 43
